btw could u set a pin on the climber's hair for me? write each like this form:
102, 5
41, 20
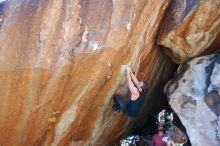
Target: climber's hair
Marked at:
145, 86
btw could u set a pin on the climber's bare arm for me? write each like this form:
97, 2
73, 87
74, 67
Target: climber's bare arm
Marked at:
134, 91
133, 77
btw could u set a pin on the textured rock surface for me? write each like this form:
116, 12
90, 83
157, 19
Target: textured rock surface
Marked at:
195, 96
190, 27
60, 64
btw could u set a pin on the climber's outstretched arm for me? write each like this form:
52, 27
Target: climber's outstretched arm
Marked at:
133, 77
134, 91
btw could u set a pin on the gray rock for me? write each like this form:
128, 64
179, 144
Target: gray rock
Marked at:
194, 94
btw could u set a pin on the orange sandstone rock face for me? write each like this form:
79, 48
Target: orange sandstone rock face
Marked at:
60, 64
189, 28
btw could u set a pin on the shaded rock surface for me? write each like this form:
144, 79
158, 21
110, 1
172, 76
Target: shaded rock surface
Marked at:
60, 64
189, 28
194, 94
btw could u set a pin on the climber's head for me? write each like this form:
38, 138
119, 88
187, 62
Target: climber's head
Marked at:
143, 86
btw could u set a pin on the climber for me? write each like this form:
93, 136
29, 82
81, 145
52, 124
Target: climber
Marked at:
137, 89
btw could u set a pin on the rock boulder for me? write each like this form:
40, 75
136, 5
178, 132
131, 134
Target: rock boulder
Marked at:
60, 64
194, 94
189, 28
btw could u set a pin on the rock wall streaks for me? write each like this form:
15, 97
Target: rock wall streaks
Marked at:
60, 64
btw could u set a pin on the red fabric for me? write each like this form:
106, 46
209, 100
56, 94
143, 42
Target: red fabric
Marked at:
157, 141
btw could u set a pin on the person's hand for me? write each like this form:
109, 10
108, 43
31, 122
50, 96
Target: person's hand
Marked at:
171, 143
128, 69
123, 68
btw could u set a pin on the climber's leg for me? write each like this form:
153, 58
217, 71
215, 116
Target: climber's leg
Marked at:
119, 103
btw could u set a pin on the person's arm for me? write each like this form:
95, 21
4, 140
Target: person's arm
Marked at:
134, 91
133, 77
